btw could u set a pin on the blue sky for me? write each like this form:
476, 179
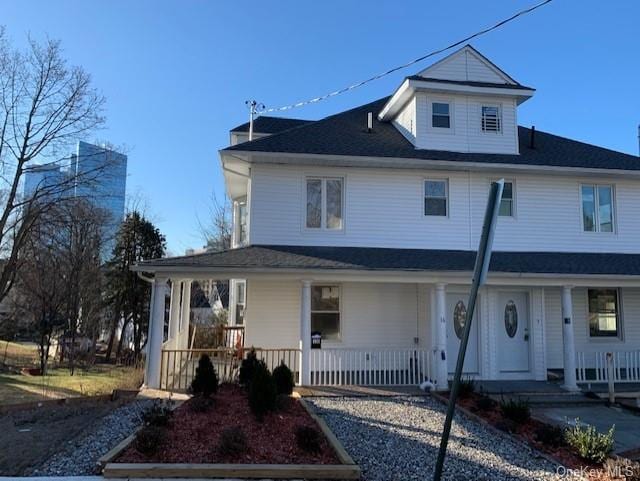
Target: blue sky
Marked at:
176, 73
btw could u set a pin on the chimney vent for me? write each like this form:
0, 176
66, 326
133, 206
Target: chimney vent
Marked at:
532, 137
369, 122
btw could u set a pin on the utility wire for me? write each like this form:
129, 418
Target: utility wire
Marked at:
408, 64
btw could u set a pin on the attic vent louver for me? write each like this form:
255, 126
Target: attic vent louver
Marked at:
369, 122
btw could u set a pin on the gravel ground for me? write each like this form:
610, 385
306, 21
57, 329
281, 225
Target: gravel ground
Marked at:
79, 457
397, 439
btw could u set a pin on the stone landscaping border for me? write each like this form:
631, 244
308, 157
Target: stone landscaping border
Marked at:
348, 469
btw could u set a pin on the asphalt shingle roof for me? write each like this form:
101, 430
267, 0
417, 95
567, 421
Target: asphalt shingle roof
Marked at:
385, 259
345, 134
271, 125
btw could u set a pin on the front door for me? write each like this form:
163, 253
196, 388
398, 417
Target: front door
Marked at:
456, 315
513, 332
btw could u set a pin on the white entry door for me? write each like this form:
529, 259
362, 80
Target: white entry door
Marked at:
456, 315
513, 332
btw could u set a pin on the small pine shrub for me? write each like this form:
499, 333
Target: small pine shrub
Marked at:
283, 378
283, 402
588, 443
308, 439
248, 368
262, 391
200, 404
148, 439
205, 382
485, 404
233, 441
550, 435
623, 469
517, 410
159, 414
467, 388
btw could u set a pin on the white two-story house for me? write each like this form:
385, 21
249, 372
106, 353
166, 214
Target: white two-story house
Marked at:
358, 231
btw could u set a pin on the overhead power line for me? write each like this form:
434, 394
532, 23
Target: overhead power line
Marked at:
408, 64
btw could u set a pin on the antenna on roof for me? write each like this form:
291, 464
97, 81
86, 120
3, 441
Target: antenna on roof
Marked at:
254, 107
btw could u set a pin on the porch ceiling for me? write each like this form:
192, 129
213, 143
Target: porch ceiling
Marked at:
271, 258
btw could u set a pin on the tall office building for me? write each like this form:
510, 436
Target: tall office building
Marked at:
101, 177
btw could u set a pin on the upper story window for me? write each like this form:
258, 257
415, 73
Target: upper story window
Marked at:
325, 199
440, 115
597, 208
507, 202
436, 193
604, 313
491, 118
240, 232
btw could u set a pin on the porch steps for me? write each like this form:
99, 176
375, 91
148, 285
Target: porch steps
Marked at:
550, 399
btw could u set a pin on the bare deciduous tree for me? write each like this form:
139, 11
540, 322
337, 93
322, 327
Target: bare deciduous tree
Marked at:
216, 231
45, 106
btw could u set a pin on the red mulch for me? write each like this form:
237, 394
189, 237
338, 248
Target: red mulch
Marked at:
193, 437
527, 432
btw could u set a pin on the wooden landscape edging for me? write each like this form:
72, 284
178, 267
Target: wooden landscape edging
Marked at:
347, 470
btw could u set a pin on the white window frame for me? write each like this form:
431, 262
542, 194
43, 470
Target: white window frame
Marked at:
596, 219
513, 197
619, 321
424, 196
441, 100
323, 203
339, 286
236, 284
236, 222
500, 122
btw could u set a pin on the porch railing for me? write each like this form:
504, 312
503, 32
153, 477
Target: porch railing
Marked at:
178, 366
367, 367
594, 366
233, 337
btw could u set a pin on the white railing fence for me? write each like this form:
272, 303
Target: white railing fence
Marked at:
596, 366
365, 367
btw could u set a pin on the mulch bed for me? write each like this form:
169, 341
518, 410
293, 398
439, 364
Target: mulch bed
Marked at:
193, 437
527, 432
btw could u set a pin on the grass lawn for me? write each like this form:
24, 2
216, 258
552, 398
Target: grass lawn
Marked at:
58, 383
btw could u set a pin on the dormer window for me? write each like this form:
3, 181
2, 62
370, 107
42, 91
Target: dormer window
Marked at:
440, 116
491, 118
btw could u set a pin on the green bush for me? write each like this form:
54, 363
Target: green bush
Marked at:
205, 382
248, 368
200, 404
283, 378
623, 469
467, 388
550, 435
308, 439
148, 439
588, 443
158, 414
233, 441
517, 410
262, 391
485, 404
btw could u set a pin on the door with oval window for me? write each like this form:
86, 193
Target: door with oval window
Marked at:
513, 332
456, 316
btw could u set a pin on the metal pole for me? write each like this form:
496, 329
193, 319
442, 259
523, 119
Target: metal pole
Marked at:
479, 275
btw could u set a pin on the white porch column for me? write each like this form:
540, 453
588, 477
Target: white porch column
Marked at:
305, 333
185, 315
568, 342
440, 341
174, 312
156, 332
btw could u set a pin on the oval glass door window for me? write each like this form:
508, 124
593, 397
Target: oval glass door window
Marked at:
511, 319
459, 318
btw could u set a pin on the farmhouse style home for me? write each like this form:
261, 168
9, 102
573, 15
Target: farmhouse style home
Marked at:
354, 242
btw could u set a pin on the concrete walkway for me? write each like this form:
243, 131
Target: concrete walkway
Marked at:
627, 432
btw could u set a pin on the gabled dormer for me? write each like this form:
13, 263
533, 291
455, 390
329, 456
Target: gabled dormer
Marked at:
462, 103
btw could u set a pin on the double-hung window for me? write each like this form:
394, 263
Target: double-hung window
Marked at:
240, 227
436, 192
604, 313
440, 115
325, 200
325, 311
241, 301
491, 121
507, 204
597, 208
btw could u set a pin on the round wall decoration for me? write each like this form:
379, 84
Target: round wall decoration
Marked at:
459, 318
511, 319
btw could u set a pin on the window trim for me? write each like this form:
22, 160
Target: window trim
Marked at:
339, 311
236, 284
441, 100
433, 114
235, 241
614, 207
424, 196
619, 337
500, 119
323, 203
513, 196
